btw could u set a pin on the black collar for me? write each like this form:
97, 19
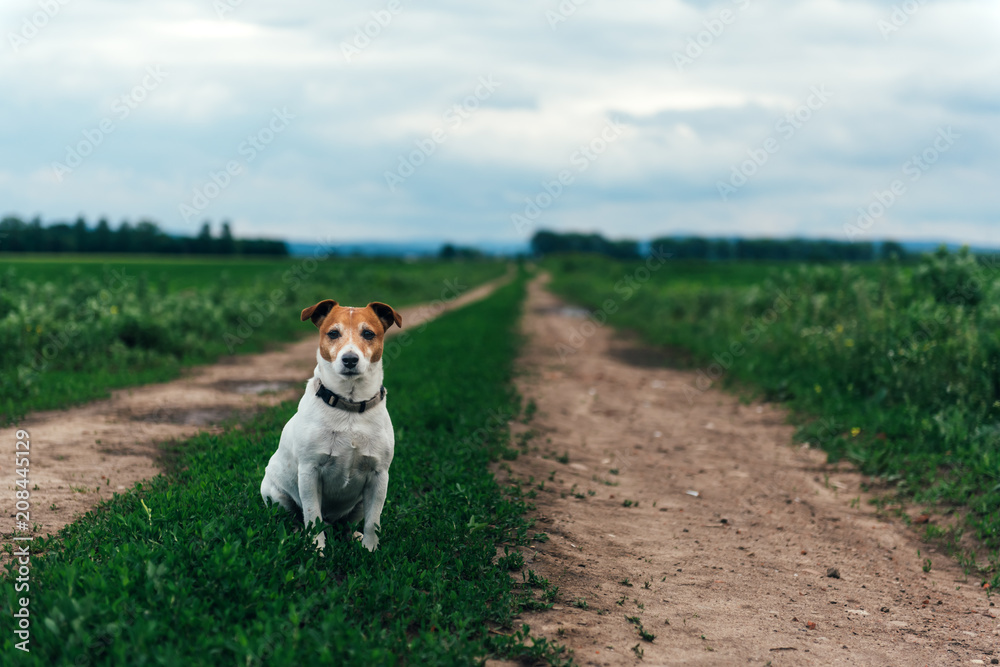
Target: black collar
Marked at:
341, 403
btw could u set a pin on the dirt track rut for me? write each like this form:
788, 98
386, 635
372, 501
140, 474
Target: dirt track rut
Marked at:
737, 574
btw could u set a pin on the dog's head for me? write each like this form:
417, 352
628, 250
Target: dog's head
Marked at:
351, 338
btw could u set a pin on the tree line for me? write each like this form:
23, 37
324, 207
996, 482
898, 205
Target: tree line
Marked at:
696, 247
16, 235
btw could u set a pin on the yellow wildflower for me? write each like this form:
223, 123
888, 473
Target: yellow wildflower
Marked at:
855, 431
114, 310
849, 342
819, 389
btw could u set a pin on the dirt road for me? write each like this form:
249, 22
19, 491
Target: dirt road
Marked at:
693, 515
85, 454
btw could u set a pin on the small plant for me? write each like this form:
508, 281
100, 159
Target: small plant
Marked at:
564, 459
625, 582
927, 565
643, 634
613, 471
580, 603
630, 503
529, 411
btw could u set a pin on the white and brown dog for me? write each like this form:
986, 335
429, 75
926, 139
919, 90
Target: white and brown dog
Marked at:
332, 461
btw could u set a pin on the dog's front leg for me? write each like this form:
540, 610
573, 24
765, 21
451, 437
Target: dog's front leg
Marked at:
312, 499
374, 500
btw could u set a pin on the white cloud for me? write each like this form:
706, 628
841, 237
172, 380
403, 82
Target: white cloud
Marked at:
354, 119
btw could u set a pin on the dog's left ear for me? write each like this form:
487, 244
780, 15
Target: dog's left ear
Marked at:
386, 315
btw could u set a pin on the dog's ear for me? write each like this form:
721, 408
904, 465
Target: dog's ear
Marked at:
318, 312
386, 315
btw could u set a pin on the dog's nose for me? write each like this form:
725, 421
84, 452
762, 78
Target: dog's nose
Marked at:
350, 360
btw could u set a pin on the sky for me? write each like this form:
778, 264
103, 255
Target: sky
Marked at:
387, 120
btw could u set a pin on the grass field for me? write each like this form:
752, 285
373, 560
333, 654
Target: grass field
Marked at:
193, 569
71, 329
895, 368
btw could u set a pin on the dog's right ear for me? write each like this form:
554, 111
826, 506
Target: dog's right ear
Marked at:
318, 312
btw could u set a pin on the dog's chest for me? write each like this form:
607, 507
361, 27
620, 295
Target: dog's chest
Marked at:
348, 456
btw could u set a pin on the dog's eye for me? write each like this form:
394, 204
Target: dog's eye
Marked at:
368, 334
333, 334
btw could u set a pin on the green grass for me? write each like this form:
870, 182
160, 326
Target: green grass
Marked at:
167, 273
193, 569
895, 368
71, 330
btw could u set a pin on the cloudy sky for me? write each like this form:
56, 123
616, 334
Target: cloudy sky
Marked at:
391, 119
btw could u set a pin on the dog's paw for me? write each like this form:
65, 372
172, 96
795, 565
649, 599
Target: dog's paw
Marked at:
369, 542
356, 535
320, 541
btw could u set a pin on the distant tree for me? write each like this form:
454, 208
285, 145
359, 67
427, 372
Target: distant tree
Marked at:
102, 236
58, 238
34, 235
226, 245
146, 237
121, 240
81, 235
720, 249
892, 248
452, 252
203, 242
545, 242
11, 234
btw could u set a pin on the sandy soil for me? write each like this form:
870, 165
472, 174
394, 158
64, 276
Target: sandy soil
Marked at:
724, 552
85, 454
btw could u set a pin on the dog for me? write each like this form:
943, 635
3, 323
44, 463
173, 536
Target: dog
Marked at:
332, 461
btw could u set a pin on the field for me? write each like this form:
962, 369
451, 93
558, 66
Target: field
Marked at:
139, 581
72, 329
895, 368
